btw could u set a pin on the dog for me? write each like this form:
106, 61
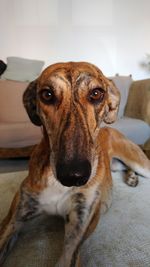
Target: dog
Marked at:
69, 171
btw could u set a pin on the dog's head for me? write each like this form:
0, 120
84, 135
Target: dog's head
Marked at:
70, 100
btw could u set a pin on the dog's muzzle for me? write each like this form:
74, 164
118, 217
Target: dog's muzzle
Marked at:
73, 173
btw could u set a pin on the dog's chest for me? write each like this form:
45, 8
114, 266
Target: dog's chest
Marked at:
55, 199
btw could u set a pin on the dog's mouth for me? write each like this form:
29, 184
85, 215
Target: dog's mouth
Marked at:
73, 173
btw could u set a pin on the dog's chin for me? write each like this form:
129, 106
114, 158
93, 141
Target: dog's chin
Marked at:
77, 183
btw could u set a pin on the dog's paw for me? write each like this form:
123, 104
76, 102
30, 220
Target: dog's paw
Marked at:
131, 178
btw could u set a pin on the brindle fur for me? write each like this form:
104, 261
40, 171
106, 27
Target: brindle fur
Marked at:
71, 133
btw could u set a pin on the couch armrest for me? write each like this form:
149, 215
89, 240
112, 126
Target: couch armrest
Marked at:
138, 103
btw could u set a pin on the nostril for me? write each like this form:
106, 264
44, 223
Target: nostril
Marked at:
73, 173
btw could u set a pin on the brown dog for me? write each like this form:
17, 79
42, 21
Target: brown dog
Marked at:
69, 171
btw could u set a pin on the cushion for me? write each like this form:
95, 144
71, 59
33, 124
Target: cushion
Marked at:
136, 130
21, 69
11, 105
138, 104
21, 134
123, 84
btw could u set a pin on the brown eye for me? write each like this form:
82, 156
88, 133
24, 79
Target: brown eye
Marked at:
96, 95
47, 96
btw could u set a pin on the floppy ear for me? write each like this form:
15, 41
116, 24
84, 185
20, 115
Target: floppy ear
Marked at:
29, 101
113, 102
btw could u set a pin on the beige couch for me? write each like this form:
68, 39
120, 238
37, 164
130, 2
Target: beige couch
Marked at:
18, 134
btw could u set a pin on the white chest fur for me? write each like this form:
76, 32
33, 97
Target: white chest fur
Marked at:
55, 198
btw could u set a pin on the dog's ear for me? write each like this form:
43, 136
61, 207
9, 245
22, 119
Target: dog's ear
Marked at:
113, 102
29, 101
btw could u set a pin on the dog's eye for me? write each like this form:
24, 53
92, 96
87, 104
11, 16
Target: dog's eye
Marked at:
47, 96
96, 95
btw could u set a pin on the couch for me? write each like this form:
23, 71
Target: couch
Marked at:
18, 135
134, 111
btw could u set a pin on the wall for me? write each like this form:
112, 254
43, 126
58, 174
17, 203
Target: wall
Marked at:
113, 34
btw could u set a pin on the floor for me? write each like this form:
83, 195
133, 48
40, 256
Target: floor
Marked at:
13, 165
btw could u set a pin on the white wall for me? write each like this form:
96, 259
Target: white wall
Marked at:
113, 34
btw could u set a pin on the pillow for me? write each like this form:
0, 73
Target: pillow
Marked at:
123, 84
11, 106
21, 69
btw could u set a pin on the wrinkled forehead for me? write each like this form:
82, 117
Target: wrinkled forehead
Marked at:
72, 72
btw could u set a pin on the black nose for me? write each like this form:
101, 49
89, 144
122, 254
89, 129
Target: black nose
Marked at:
73, 173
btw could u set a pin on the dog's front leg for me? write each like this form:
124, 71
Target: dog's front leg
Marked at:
77, 225
23, 207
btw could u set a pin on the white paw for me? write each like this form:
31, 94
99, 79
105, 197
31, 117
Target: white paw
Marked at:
131, 179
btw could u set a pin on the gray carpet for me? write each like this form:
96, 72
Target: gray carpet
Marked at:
122, 237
